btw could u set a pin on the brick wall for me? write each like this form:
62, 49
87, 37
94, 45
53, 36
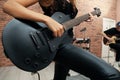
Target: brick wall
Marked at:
4, 18
108, 9
118, 11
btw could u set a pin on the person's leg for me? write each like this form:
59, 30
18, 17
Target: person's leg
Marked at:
117, 57
85, 63
61, 71
116, 47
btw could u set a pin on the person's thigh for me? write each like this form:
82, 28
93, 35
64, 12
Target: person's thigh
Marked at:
115, 46
86, 63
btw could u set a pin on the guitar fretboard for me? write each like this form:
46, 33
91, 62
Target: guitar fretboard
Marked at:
74, 22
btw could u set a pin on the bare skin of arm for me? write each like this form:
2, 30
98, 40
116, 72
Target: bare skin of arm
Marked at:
18, 9
104, 35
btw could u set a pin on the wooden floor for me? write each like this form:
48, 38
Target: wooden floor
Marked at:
13, 73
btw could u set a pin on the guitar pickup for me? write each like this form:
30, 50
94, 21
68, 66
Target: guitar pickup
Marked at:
35, 40
41, 37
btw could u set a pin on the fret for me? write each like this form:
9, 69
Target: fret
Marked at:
74, 22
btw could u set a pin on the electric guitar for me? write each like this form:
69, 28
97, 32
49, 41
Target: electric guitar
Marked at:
31, 46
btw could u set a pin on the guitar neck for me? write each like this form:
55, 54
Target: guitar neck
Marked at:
74, 22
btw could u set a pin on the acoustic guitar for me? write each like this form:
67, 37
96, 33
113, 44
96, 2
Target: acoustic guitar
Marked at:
31, 46
107, 42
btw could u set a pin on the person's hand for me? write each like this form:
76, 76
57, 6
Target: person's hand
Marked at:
55, 27
111, 39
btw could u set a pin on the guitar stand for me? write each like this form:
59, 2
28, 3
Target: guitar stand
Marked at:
85, 41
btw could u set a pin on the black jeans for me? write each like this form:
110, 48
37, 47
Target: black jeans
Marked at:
83, 62
116, 47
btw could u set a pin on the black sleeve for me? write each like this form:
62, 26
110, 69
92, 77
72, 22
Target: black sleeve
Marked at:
110, 31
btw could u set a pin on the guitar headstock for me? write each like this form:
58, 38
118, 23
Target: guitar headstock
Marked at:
96, 12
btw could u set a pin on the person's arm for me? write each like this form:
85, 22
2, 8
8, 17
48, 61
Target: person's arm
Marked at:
105, 36
18, 9
73, 2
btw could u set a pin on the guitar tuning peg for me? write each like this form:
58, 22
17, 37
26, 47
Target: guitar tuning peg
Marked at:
98, 12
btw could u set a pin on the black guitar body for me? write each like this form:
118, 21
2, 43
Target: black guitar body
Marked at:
30, 45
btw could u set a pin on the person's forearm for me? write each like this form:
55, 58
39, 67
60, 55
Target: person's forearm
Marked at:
104, 35
19, 11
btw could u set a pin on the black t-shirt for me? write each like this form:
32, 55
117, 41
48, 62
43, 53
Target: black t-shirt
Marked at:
60, 6
112, 32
